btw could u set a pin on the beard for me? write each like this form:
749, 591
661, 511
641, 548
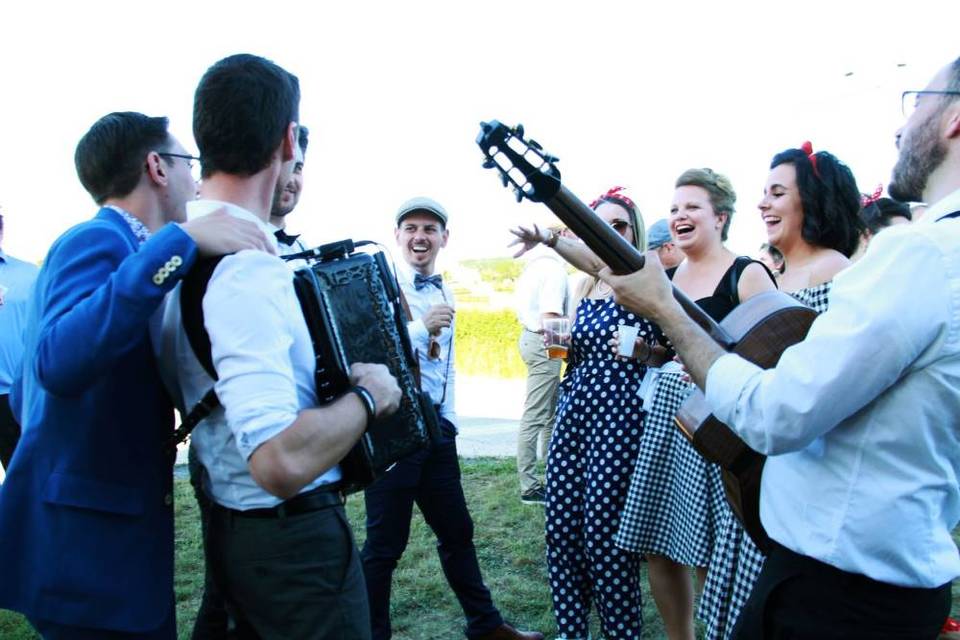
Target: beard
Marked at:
277, 208
920, 155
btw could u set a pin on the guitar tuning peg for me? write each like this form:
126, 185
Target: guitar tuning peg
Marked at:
504, 179
519, 194
486, 126
549, 158
535, 145
489, 163
518, 131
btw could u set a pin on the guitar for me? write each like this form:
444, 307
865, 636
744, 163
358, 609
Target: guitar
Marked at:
759, 329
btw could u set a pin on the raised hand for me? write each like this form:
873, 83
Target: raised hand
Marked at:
437, 317
528, 238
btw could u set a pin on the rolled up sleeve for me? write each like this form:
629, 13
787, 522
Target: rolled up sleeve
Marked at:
250, 343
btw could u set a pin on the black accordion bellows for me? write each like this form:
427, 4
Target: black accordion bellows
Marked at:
353, 314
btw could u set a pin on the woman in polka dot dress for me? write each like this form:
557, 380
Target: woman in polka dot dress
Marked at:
594, 447
811, 210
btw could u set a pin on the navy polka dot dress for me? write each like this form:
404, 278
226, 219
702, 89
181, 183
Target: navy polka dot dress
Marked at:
591, 459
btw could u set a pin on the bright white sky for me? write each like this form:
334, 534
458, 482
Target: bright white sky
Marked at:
624, 93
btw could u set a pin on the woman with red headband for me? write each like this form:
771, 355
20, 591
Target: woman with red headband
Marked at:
594, 445
676, 504
810, 207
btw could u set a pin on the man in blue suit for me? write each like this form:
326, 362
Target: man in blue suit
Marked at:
86, 516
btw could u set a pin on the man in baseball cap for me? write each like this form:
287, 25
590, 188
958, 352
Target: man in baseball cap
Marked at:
659, 239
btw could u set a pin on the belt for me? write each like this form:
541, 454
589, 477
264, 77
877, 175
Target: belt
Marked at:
323, 497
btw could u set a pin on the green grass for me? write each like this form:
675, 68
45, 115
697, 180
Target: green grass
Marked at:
509, 538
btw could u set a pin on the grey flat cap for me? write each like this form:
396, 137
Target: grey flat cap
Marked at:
421, 203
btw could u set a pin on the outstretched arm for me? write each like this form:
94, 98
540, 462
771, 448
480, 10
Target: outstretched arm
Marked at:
573, 251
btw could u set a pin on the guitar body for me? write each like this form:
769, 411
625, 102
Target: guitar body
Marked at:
762, 328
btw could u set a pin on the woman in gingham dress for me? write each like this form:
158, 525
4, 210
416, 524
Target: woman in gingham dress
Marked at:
594, 447
811, 210
676, 502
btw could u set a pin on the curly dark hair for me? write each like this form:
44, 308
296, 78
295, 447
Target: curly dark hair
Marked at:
878, 214
830, 200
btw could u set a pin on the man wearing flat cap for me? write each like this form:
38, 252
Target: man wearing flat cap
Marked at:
431, 479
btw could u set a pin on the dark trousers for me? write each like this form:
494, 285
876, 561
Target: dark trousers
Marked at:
9, 432
212, 621
431, 479
53, 631
798, 597
296, 576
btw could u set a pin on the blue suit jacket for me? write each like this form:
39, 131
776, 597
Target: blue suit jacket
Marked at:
86, 516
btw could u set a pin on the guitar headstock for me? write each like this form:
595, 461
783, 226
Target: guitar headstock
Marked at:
523, 164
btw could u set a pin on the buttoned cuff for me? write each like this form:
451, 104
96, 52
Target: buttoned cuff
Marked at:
726, 381
171, 252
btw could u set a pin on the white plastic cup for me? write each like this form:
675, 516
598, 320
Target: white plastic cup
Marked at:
628, 334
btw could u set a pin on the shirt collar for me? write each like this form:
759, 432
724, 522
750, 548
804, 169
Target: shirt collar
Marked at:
200, 208
942, 207
138, 228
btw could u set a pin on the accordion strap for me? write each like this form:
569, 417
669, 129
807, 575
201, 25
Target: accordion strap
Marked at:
207, 404
192, 290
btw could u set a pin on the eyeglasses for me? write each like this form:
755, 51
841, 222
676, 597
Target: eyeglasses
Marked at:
910, 99
192, 162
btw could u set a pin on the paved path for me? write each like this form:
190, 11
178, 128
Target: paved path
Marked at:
489, 411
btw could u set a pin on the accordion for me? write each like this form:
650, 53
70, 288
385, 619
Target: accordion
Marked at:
352, 308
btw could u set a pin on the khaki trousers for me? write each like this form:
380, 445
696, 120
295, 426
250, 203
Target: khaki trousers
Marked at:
539, 410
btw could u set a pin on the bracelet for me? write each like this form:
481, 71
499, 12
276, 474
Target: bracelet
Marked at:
552, 240
368, 402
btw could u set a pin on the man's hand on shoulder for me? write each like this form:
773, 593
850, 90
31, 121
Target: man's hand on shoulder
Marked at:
381, 384
220, 233
437, 317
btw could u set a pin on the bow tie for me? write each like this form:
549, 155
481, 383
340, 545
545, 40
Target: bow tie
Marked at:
421, 281
285, 238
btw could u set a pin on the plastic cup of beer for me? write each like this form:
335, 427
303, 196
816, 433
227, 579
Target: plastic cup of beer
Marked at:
556, 336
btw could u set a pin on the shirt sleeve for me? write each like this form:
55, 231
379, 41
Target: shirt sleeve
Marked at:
247, 311
884, 313
552, 296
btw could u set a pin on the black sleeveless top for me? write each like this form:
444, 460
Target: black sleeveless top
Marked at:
725, 296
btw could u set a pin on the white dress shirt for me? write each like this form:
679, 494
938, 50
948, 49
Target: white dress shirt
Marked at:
437, 376
861, 418
542, 288
264, 358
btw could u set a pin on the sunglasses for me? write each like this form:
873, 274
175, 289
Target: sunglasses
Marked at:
620, 225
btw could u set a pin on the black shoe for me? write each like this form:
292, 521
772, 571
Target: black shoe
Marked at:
536, 496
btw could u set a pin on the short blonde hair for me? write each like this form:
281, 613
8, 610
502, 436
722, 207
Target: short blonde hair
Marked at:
718, 187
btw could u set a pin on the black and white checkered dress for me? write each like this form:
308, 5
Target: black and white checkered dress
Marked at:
676, 503
736, 561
